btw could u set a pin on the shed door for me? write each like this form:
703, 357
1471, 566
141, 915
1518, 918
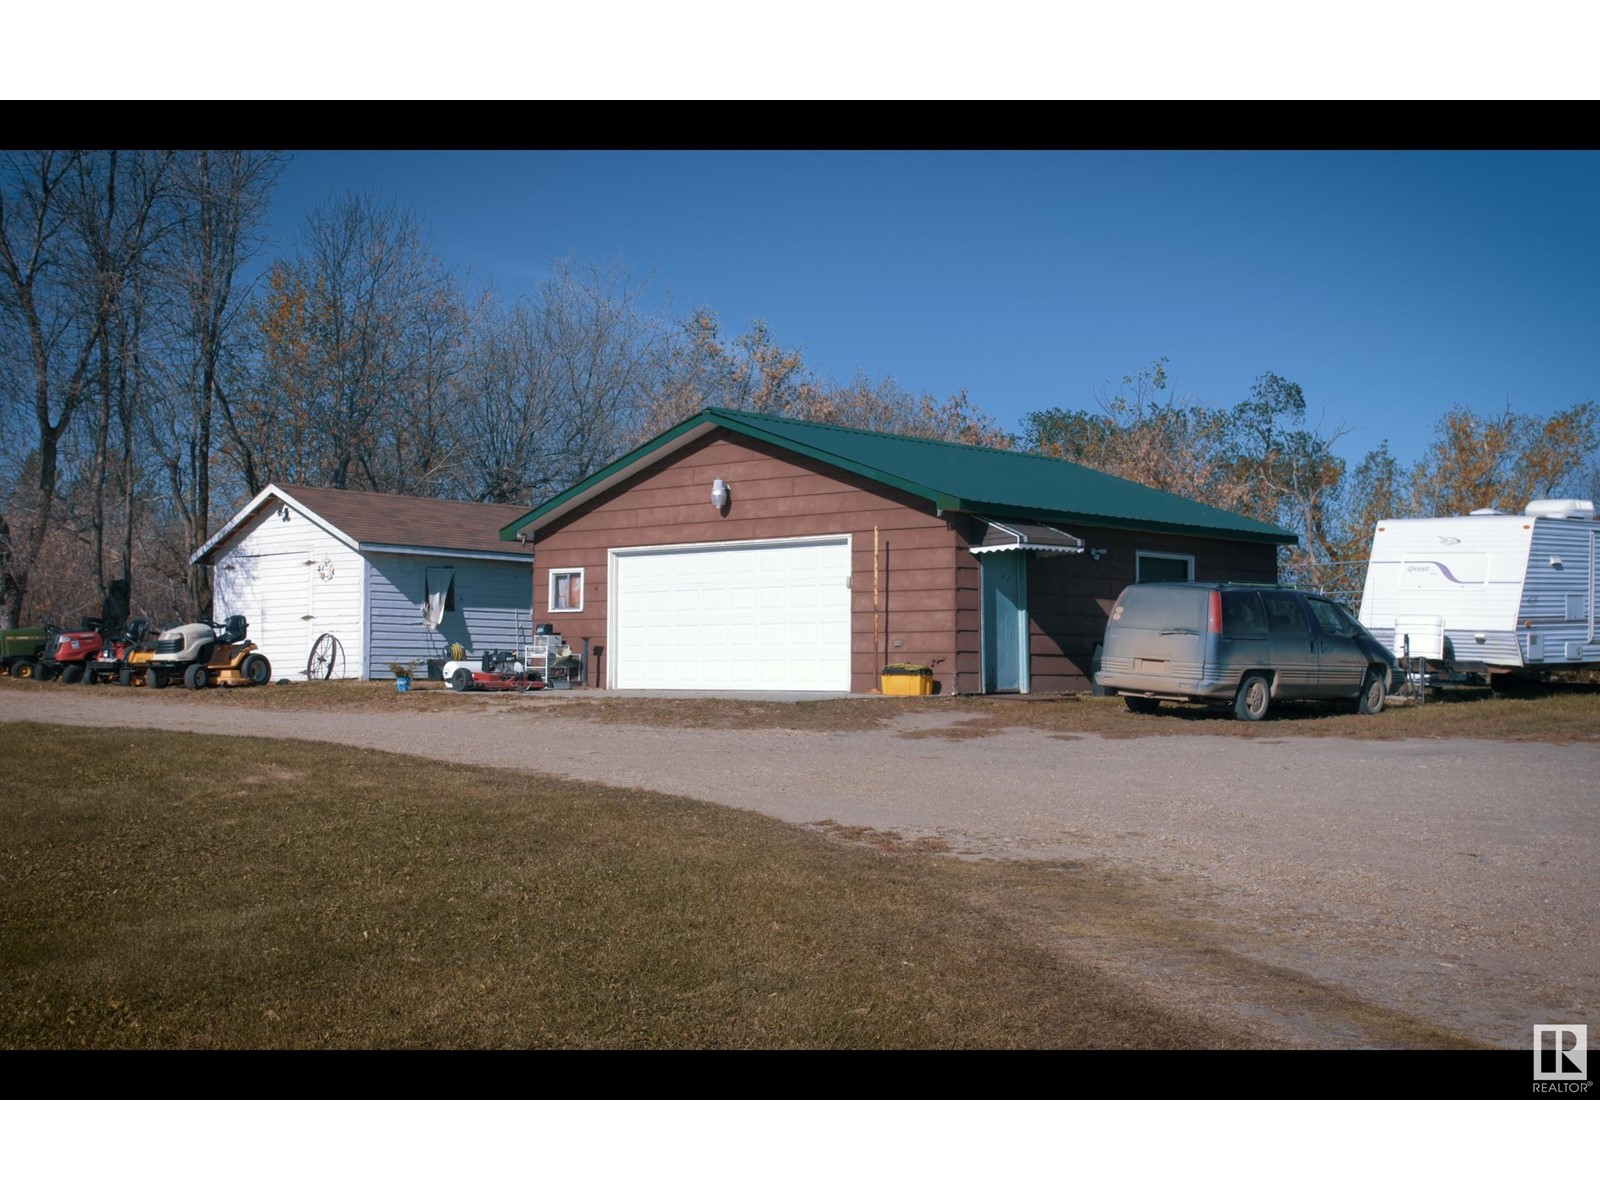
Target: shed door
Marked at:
746, 617
275, 592
1005, 621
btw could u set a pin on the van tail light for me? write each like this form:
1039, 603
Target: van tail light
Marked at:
1214, 622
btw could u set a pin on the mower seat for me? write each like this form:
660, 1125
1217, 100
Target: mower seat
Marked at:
235, 629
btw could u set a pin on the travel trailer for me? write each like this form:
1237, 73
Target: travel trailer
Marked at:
1494, 594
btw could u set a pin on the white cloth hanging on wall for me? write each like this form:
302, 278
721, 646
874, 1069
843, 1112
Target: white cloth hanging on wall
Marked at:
439, 580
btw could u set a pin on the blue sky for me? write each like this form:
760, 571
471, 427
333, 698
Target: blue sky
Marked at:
1390, 285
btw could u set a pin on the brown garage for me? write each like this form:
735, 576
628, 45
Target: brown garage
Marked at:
740, 551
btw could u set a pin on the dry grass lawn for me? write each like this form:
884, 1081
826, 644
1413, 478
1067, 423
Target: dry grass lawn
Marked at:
175, 890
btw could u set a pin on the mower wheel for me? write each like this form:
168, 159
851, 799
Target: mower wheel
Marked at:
154, 679
125, 677
256, 670
43, 672
461, 680
195, 676
72, 673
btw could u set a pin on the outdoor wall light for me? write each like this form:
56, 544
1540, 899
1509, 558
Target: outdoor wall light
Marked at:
1097, 553
283, 513
719, 495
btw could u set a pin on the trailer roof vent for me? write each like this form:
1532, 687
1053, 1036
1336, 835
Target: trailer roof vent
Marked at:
1486, 512
1567, 510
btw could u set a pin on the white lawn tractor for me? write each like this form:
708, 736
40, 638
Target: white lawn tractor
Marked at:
205, 654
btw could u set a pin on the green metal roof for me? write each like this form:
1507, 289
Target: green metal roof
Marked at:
952, 477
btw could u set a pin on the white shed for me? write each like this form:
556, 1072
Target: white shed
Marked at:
389, 578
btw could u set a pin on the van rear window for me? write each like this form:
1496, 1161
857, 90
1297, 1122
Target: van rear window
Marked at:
1165, 608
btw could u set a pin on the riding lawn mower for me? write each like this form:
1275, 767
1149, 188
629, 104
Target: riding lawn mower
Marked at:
203, 654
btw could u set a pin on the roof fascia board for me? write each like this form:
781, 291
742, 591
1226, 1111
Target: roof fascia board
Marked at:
511, 556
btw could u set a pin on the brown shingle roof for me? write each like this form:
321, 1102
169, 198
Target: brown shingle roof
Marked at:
378, 519
381, 519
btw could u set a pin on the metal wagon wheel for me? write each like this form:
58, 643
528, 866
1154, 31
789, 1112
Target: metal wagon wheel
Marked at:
327, 656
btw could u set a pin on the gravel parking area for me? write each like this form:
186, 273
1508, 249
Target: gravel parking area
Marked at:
1451, 880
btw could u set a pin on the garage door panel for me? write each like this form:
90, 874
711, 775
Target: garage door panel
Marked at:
764, 616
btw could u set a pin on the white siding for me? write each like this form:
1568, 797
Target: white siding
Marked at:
293, 581
1558, 596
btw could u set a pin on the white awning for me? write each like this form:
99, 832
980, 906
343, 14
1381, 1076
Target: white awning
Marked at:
1015, 535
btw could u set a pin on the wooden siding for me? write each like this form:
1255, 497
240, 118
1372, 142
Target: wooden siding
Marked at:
492, 605
293, 581
773, 495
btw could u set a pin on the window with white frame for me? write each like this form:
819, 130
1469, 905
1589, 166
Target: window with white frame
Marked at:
1150, 567
566, 590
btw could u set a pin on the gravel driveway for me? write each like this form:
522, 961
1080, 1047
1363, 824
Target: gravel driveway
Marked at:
1453, 880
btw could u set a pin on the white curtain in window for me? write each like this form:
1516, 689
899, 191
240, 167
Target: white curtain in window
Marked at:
438, 588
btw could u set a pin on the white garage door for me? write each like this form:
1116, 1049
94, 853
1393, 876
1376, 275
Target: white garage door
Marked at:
753, 617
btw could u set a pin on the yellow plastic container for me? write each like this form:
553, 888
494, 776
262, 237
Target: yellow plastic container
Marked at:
907, 685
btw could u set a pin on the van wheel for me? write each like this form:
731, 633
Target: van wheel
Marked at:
1254, 698
1373, 694
1143, 705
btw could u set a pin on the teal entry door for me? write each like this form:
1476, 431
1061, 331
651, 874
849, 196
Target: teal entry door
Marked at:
1005, 621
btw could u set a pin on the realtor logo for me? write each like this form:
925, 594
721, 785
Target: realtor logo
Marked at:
1561, 1052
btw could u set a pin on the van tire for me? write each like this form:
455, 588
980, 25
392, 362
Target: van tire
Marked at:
1143, 705
1254, 698
1373, 694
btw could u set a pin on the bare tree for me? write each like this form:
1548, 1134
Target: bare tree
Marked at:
560, 384
356, 344
119, 214
74, 227
217, 205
